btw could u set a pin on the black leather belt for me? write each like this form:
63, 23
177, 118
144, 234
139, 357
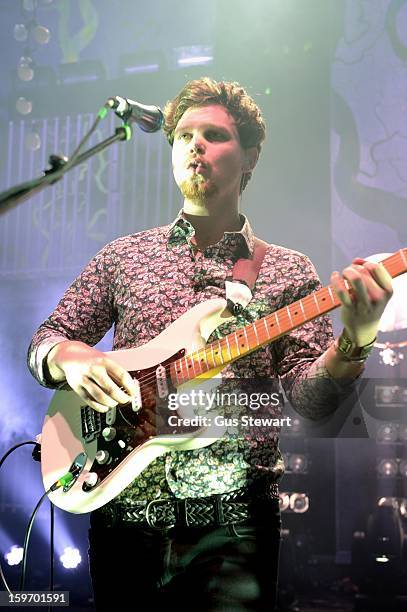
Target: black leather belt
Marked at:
217, 510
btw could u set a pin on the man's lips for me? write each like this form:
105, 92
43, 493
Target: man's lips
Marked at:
196, 164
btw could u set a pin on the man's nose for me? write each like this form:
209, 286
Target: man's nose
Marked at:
196, 144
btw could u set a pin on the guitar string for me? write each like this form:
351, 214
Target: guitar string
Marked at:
283, 318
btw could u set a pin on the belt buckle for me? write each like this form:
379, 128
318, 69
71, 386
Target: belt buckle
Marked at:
150, 519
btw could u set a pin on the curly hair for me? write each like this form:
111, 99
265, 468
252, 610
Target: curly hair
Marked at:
200, 92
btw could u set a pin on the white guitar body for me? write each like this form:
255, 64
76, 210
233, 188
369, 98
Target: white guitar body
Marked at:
63, 441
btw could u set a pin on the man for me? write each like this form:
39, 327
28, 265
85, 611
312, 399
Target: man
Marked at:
144, 282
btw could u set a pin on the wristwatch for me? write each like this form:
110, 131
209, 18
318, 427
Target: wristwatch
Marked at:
350, 351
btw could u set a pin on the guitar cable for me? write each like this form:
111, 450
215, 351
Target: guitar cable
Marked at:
59, 483
2, 460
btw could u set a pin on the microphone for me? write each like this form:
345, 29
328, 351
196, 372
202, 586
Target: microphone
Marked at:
148, 118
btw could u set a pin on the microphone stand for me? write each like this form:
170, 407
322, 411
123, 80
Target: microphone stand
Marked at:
59, 166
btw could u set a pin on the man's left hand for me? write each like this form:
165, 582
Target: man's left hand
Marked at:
370, 289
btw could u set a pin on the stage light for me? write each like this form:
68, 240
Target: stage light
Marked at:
41, 34
14, 556
387, 468
390, 357
74, 73
388, 501
390, 396
140, 63
398, 503
195, 55
24, 106
382, 559
384, 394
198, 60
25, 69
284, 501
403, 507
297, 464
70, 558
387, 432
20, 32
140, 68
299, 502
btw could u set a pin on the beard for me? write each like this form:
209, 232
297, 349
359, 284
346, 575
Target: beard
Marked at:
197, 189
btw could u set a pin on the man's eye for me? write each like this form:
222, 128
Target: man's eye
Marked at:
215, 135
184, 136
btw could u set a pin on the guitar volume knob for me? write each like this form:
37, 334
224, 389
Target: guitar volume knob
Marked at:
102, 456
91, 479
109, 433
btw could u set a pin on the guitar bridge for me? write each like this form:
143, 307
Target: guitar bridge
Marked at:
91, 421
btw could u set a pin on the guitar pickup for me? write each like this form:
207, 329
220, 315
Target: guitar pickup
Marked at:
136, 401
91, 423
161, 379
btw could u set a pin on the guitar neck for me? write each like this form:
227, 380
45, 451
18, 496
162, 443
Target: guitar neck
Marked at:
269, 328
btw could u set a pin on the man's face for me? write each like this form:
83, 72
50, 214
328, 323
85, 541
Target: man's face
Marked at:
207, 157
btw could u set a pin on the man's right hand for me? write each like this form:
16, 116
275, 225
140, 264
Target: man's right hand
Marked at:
91, 374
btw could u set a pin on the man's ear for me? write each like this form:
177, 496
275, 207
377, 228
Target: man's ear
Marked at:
250, 157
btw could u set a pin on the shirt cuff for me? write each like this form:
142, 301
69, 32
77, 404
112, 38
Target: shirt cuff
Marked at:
38, 359
318, 369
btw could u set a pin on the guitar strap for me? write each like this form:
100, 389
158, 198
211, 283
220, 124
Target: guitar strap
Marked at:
244, 275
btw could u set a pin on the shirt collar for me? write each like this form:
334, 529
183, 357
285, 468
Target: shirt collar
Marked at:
181, 230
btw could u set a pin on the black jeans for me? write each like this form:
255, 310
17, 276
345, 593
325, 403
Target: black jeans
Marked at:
227, 568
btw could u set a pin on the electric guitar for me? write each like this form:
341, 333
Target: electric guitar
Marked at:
88, 457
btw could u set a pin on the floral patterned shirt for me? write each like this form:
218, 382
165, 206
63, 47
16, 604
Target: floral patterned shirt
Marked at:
143, 282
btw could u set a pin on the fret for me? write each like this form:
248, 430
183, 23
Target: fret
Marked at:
289, 314
219, 345
181, 363
265, 325
255, 333
247, 339
316, 302
278, 322
403, 257
198, 361
213, 356
177, 382
237, 344
331, 294
187, 368
227, 344
206, 359
302, 310
191, 359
